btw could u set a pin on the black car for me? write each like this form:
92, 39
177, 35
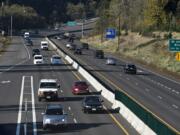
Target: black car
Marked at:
91, 104
72, 47
99, 54
130, 68
35, 52
85, 46
78, 51
28, 42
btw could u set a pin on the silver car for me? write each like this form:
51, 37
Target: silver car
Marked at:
54, 116
111, 61
55, 60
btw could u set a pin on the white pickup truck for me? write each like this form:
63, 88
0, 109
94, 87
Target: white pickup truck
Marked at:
48, 89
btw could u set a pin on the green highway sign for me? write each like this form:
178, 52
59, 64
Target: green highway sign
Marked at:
174, 45
71, 23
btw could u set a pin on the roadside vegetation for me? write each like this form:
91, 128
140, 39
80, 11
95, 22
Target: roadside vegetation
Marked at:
143, 30
4, 42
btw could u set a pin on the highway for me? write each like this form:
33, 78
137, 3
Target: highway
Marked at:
161, 95
20, 111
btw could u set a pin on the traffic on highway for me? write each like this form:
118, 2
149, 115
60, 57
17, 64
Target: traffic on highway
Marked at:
95, 67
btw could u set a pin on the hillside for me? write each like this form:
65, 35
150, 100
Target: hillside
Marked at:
151, 52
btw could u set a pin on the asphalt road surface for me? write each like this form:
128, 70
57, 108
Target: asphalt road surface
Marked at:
20, 111
159, 94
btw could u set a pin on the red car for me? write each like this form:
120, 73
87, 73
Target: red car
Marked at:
80, 87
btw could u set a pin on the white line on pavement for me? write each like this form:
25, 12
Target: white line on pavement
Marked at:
20, 108
33, 108
75, 121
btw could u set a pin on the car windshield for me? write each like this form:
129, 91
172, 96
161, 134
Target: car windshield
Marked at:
48, 85
54, 112
36, 50
92, 100
38, 57
80, 83
131, 66
57, 58
44, 44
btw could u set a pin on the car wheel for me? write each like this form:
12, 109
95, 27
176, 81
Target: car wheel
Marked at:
44, 127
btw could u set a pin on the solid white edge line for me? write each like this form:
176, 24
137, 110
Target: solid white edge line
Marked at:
20, 108
33, 109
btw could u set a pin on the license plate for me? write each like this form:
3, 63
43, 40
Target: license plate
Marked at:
93, 109
48, 97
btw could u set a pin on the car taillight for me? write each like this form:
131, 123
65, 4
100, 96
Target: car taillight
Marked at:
76, 89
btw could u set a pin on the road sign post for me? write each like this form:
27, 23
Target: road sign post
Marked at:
174, 45
178, 56
110, 33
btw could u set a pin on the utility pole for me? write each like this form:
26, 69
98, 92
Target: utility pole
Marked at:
119, 27
11, 25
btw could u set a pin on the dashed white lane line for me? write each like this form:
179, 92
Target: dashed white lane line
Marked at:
136, 83
69, 108
75, 121
175, 106
147, 90
61, 91
159, 97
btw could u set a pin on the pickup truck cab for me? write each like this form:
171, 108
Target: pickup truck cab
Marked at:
48, 89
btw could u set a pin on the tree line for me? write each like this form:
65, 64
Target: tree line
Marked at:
139, 15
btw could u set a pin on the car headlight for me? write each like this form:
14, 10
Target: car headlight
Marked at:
63, 120
88, 106
47, 121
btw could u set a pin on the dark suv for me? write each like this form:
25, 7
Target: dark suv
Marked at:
85, 46
99, 54
92, 103
35, 52
130, 68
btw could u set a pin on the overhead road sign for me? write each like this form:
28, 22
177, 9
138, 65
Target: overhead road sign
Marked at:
110, 33
71, 23
174, 45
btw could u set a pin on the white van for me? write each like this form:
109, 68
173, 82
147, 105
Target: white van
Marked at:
26, 35
44, 45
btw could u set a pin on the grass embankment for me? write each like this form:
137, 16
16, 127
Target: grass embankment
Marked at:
4, 42
147, 51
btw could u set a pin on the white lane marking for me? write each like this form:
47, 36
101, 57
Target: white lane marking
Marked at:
75, 121
61, 91
177, 92
3, 82
33, 108
69, 108
29, 56
147, 90
136, 83
20, 108
25, 129
175, 106
127, 78
159, 97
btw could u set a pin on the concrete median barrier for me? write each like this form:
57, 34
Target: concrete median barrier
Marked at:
137, 123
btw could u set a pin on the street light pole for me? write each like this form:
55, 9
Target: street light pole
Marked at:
11, 25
